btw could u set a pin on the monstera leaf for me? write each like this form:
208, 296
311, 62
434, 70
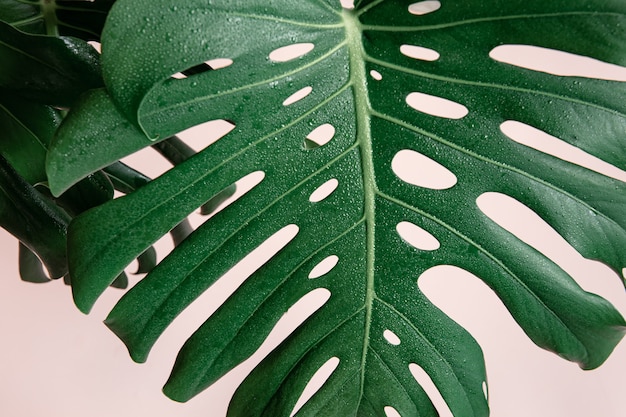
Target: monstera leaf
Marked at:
353, 71
83, 19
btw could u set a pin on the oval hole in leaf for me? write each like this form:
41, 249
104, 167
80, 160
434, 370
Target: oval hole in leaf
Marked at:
210, 65
485, 390
391, 412
200, 136
436, 106
543, 142
297, 96
424, 7
324, 190
289, 52
316, 382
417, 169
433, 393
319, 136
391, 337
531, 229
557, 62
324, 267
219, 63
417, 237
419, 52
376, 75
347, 4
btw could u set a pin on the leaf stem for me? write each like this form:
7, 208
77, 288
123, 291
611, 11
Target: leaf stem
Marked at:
48, 10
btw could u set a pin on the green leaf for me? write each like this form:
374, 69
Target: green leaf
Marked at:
31, 268
77, 152
373, 287
83, 19
27, 129
34, 219
46, 69
124, 178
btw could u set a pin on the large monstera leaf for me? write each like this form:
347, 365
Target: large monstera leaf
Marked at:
355, 79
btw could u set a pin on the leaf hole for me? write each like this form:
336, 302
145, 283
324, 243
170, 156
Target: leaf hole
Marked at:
219, 63
324, 267
297, 314
557, 62
391, 337
548, 144
417, 237
206, 66
436, 106
424, 7
376, 75
297, 96
258, 257
323, 191
419, 52
485, 390
347, 4
424, 380
316, 382
290, 52
96, 45
417, 169
319, 136
201, 136
530, 228
391, 412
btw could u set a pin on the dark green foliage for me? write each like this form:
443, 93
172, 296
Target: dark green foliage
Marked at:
359, 81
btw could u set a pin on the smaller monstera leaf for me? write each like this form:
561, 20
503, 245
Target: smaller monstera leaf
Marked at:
46, 69
354, 80
83, 19
35, 220
27, 130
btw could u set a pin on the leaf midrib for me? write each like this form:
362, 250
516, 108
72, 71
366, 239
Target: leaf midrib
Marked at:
358, 80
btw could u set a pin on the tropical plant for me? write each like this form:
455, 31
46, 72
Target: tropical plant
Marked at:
321, 101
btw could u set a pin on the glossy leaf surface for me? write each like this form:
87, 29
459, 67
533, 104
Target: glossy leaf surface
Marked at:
46, 69
356, 79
